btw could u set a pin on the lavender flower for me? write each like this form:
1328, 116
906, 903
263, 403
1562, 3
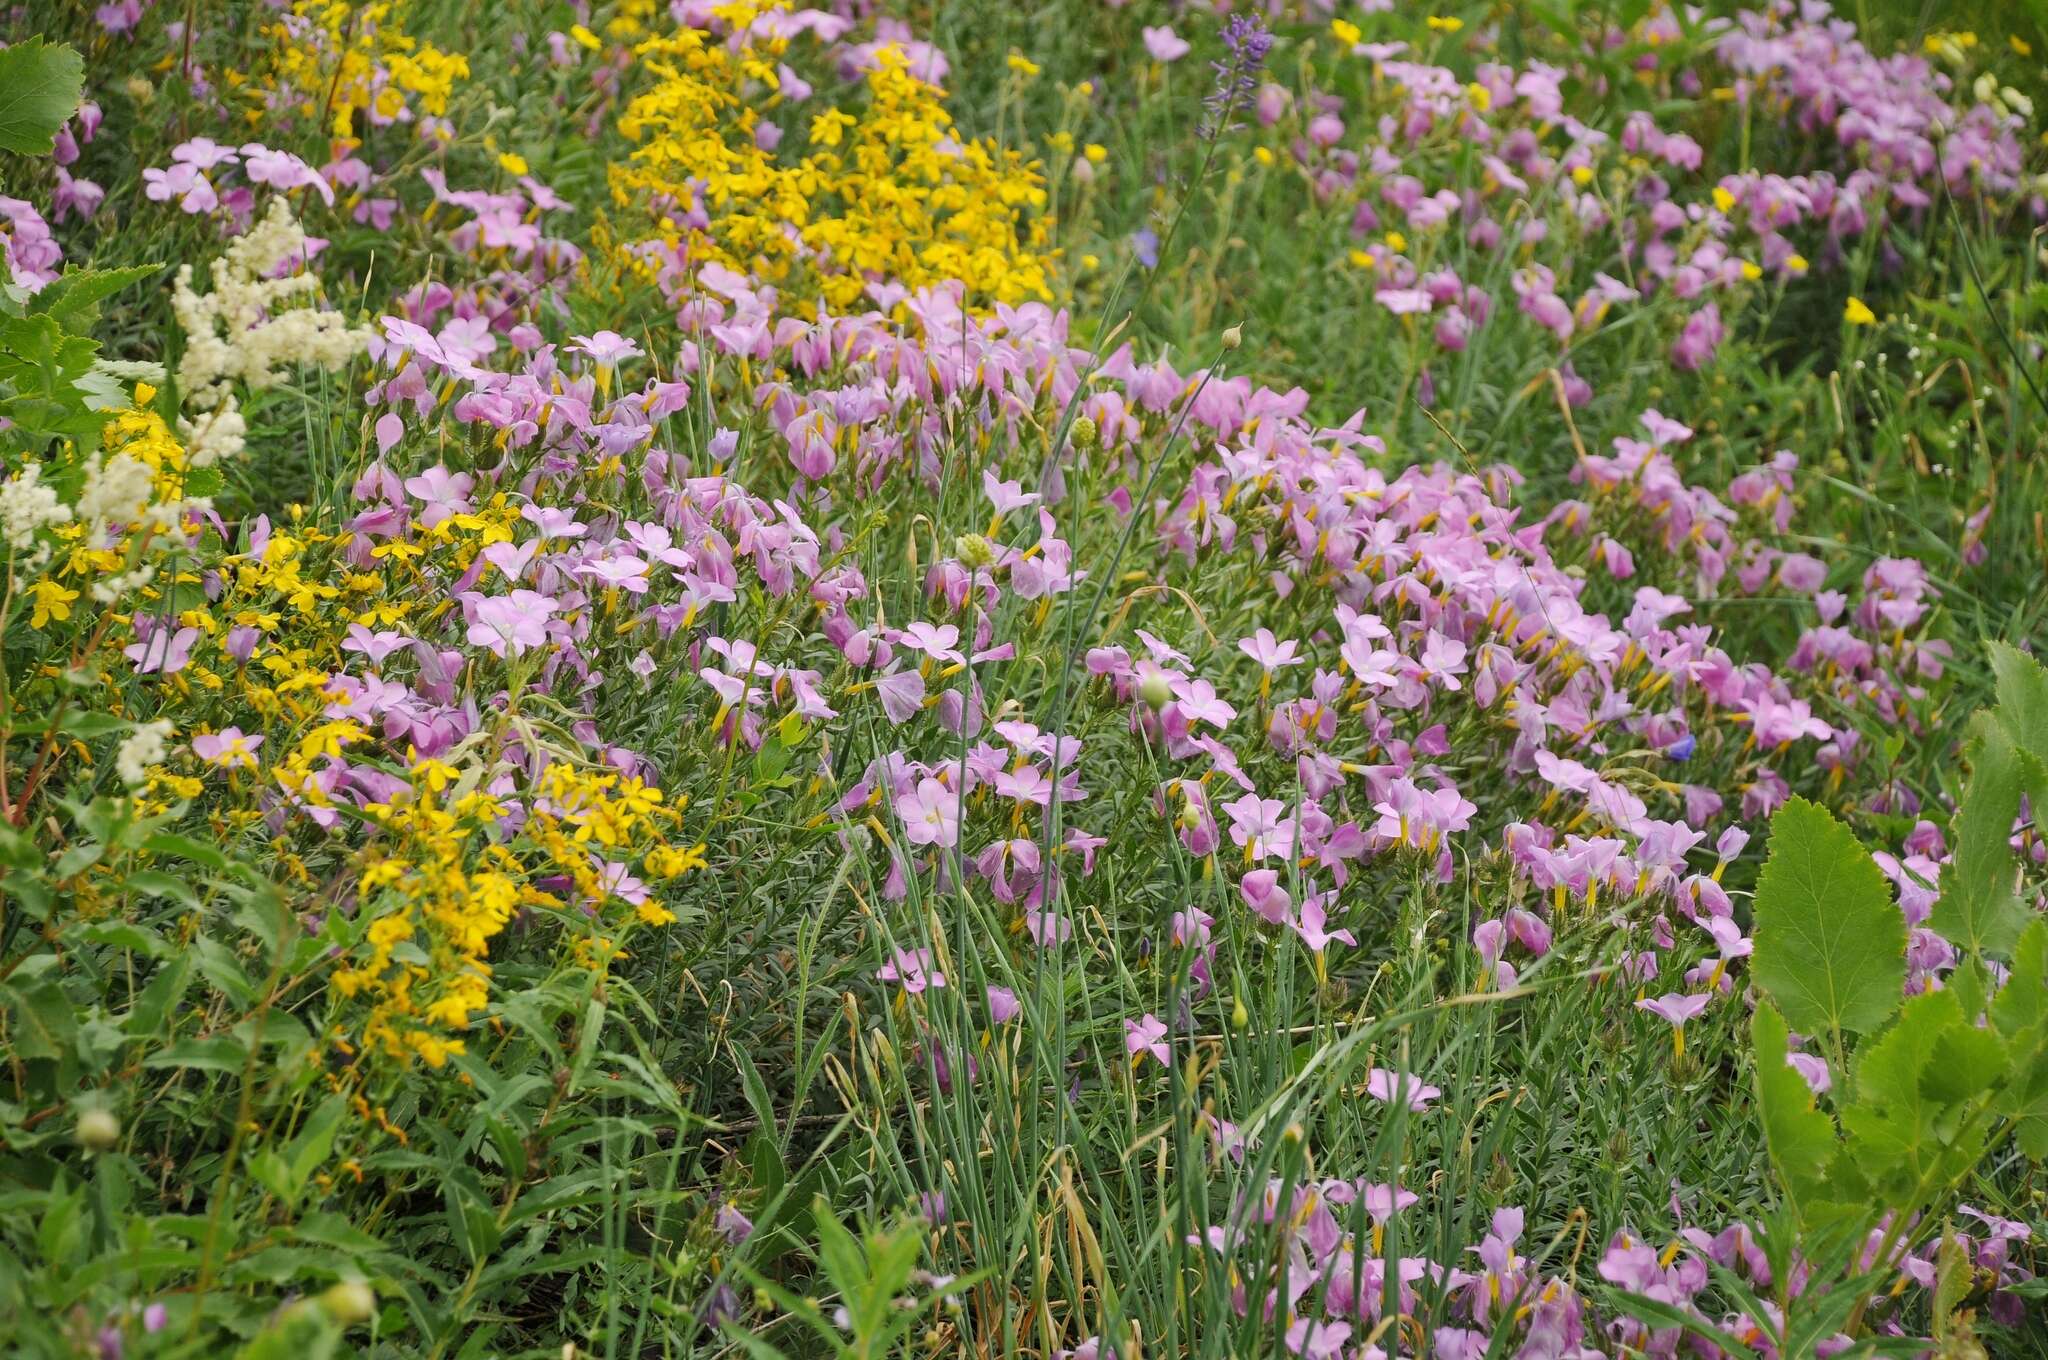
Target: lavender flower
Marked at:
1246, 42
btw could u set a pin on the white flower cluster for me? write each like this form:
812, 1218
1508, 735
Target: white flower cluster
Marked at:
27, 505
246, 331
216, 434
117, 489
144, 747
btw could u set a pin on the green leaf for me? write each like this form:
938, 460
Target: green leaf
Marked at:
183, 847
1801, 1138
1899, 1124
1978, 911
157, 883
74, 298
222, 1053
39, 89
1830, 943
43, 1020
2022, 698
2020, 1013
17, 848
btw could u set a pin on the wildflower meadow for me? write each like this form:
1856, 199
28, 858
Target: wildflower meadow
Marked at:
1083, 680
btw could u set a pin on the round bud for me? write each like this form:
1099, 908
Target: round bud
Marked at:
349, 1302
1233, 337
974, 551
1239, 1016
1154, 690
1084, 434
98, 1130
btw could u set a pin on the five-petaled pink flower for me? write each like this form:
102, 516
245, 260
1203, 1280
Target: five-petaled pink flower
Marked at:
931, 814
228, 748
1392, 1087
1147, 1035
913, 968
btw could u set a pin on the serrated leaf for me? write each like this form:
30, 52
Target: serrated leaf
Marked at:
2022, 697
73, 299
1899, 1130
1977, 911
39, 88
1801, 1139
1830, 943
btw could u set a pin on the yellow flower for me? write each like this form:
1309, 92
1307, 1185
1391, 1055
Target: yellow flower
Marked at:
1022, 64
1724, 202
1752, 271
584, 37
1346, 32
1582, 175
1361, 260
668, 861
1445, 24
1481, 97
1796, 263
1096, 153
52, 602
1857, 313
512, 163
2020, 46
827, 128
1396, 242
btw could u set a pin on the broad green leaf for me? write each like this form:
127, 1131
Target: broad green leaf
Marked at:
1978, 911
1800, 1137
1830, 943
2022, 697
43, 1021
2023, 1001
2020, 1013
39, 88
1899, 1122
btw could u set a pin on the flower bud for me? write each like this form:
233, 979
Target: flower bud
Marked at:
1154, 690
1239, 1016
97, 1130
1233, 337
349, 1302
1084, 435
974, 551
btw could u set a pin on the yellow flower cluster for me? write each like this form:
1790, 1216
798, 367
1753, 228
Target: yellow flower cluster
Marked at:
334, 59
888, 192
441, 882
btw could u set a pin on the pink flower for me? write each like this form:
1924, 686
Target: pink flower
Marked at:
1269, 651
1003, 1006
512, 622
1147, 1036
1674, 1007
1199, 703
931, 814
283, 171
1391, 1087
1313, 919
913, 968
1164, 44
607, 349
163, 650
442, 492
228, 749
